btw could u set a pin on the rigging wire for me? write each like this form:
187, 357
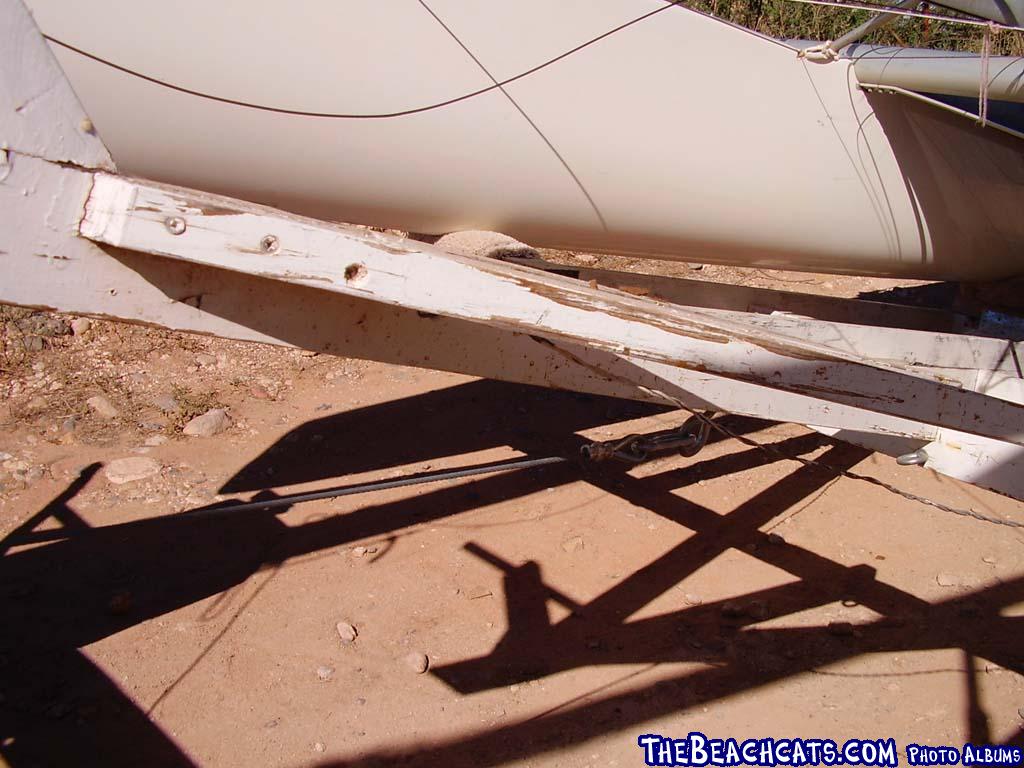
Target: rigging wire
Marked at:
874, 7
358, 115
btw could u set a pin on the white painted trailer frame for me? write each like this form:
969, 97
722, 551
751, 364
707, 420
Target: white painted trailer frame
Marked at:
77, 237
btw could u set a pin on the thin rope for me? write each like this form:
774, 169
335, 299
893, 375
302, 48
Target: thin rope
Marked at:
357, 115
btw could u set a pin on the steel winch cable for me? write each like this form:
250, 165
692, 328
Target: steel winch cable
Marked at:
771, 449
381, 485
522, 464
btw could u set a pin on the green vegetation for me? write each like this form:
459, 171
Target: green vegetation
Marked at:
787, 19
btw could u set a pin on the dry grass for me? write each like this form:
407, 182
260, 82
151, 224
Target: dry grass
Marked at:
787, 19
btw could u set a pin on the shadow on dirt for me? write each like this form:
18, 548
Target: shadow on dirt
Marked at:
66, 584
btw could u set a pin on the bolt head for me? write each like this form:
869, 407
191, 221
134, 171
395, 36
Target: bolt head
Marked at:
175, 224
269, 244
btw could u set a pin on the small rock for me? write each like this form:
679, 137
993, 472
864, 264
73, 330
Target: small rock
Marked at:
417, 662
44, 325
319, 747
209, 424
840, 628
154, 440
33, 343
988, 559
695, 267
120, 471
691, 599
1020, 713
166, 403
324, 673
585, 258
259, 392
346, 632
774, 538
68, 425
205, 361
36, 404
81, 326
574, 544
946, 580
358, 551
102, 407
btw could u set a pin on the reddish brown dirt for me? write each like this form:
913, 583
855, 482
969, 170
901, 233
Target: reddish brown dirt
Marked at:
564, 612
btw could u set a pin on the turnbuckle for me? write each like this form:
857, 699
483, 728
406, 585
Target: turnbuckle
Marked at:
687, 440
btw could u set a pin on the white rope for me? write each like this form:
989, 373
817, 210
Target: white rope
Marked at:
986, 54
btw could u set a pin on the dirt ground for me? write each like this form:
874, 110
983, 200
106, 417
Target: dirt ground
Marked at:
561, 612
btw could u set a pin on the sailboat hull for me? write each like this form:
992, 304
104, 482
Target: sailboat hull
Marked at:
626, 126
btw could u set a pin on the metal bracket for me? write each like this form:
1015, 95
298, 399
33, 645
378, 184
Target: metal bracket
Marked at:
686, 440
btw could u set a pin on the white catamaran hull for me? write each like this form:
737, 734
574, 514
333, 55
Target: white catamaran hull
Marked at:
676, 136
